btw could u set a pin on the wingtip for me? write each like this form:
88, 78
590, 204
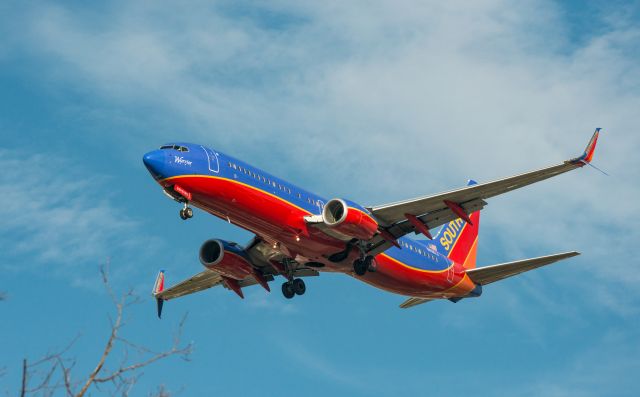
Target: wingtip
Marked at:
589, 151
587, 156
160, 303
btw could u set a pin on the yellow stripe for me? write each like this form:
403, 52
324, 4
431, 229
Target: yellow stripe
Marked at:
239, 183
473, 247
457, 284
415, 268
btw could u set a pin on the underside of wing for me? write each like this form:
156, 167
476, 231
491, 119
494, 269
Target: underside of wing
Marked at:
489, 274
201, 281
262, 259
414, 301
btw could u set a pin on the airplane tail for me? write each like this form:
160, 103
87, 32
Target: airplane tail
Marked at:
458, 239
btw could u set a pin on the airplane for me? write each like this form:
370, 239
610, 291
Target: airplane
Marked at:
299, 234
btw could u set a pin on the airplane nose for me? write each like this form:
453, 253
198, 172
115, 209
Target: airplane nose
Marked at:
154, 161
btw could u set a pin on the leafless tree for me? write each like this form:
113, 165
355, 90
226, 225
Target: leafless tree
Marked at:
57, 373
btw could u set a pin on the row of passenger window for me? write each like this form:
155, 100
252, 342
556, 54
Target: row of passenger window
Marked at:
267, 181
419, 251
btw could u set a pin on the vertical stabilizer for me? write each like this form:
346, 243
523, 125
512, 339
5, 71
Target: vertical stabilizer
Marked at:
458, 239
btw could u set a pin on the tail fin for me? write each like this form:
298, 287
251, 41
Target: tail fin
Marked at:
458, 240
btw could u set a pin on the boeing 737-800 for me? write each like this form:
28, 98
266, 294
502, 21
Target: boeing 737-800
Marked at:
300, 234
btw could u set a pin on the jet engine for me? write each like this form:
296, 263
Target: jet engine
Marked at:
349, 219
226, 258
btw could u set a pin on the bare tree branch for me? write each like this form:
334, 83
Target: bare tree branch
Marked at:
114, 332
119, 381
175, 350
23, 389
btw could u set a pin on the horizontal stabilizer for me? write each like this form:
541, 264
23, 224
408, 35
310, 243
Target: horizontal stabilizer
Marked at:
489, 274
411, 302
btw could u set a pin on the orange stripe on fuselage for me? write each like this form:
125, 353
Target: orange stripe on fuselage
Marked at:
470, 261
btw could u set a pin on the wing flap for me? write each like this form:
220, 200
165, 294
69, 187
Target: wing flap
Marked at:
489, 274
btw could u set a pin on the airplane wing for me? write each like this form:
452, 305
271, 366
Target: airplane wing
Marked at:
489, 274
260, 253
201, 281
438, 209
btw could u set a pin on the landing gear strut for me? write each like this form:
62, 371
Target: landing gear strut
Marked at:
186, 212
362, 265
293, 288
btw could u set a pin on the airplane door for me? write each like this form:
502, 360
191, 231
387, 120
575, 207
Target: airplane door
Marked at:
212, 160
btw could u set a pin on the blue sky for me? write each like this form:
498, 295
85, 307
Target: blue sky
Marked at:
375, 101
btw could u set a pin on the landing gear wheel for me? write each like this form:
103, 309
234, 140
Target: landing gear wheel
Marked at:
287, 290
299, 287
360, 267
186, 212
371, 266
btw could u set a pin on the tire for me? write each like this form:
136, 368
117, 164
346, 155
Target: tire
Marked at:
299, 286
287, 290
183, 215
188, 212
360, 267
371, 265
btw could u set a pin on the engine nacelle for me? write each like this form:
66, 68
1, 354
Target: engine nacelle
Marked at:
226, 258
349, 219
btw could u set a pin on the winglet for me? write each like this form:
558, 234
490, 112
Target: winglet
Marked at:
587, 156
157, 288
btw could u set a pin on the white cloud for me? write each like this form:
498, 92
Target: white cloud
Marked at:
56, 220
392, 100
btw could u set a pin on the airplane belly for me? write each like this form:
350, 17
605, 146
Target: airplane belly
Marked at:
396, 277
266, 215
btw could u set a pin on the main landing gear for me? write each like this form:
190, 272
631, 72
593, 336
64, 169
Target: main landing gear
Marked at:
186, 212
293, 288
362, 265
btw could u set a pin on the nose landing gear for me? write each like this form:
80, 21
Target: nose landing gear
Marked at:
186, 212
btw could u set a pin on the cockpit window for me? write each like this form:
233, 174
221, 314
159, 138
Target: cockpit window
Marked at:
176, 147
